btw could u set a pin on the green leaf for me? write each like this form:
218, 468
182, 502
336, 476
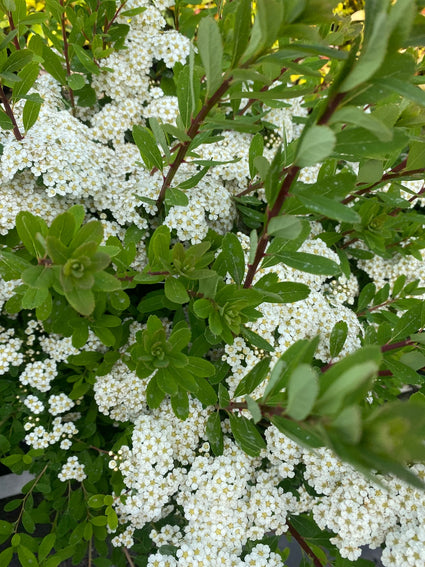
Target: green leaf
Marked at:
30, 114
44, 310
310, 263
285, 226
27, 557
256, 340
34, 297
52, 63
166, 382
338, 338
315, 146
28, 522
200, 367
63, 227
368, 121
241, 32
416, 157
175, 291
145, 141
356, 143
180, 337
268, 19
254, 409
76, 82
6, 528
301, 351
256, 147
17, 61
96, 501
356, 379
5, 121
246, 435
403, 88
365, 297
202, 308
175, 197
303, 388
328, 207
192, 181
223, 396
180, 404
28, 226
6, 556
372, 54
205, 393
154, 395
188, 91
408, 323
160, 137
233, 257
348, 425
38, 276
90, 232
85, 59
272, 177
11, 265
254, 378
215, 433
57, 251
82, 300
28, 76
210, 49
112, 518
103, 281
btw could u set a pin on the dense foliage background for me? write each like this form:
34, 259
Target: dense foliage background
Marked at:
212, 281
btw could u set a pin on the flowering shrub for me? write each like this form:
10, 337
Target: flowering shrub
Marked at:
212, 282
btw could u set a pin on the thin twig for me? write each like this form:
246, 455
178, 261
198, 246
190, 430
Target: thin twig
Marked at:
192, 131
128, 557
12, 27
66, 54
9, 112
302, 543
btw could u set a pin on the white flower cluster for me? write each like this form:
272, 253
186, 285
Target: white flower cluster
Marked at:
59, 348
383, 271
40, 438
210, 206
60, 404
121, 394
10, 347
362, 512
72, 470
225, 500
39, 374
34, 404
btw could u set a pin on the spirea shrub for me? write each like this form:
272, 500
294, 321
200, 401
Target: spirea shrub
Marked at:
212, 282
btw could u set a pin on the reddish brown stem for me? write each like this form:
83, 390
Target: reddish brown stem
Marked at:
9, 112
302, 543
192, 131
331, 108
395, 346
375, 307
114, 17
395, 173
66, 54
262, 90
273, 212
128, 557
12, 27
289, 179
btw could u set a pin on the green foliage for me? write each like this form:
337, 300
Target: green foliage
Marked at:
172, 321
